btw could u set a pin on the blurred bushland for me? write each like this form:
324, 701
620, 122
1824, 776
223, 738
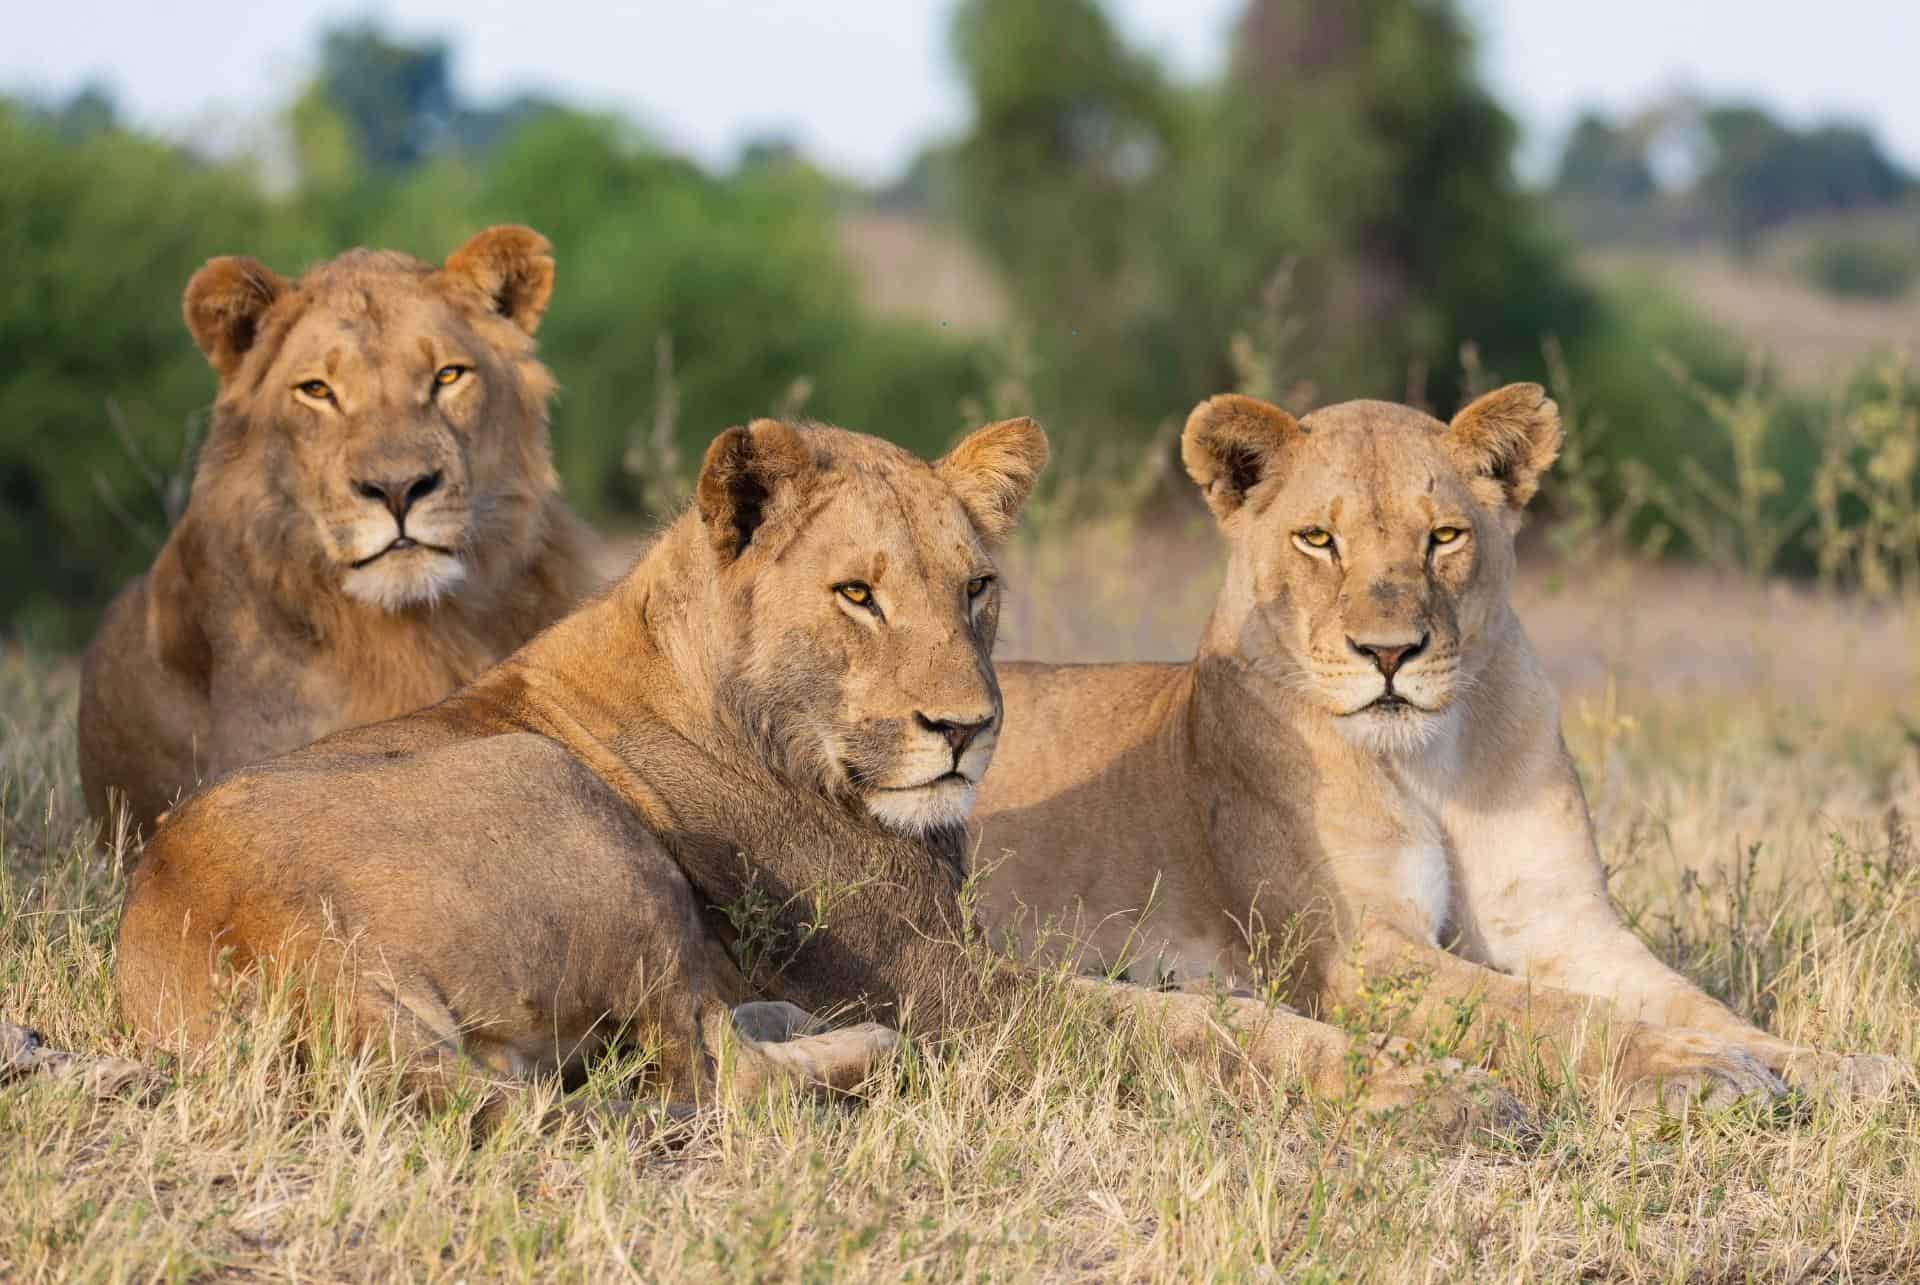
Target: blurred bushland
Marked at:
1336, 215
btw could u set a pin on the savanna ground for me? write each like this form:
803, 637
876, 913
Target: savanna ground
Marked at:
1752, 756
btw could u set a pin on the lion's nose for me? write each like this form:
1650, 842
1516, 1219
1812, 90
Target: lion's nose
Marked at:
958, 733
402, 495
1388, 657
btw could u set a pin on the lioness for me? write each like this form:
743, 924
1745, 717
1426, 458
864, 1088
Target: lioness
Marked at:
788, 703
374, 520
1364, 743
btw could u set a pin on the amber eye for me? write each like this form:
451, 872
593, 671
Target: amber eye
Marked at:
449, 375
1314, 536
316, 389
1447, 534
856, 593
978, 585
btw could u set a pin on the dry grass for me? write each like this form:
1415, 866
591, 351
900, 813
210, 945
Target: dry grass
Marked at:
1753, 759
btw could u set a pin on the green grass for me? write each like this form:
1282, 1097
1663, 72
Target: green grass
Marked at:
1753, 762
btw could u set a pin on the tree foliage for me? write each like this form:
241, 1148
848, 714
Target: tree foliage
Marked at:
1602, 161
99, 233
1764, 173
1141, 225
1741, 171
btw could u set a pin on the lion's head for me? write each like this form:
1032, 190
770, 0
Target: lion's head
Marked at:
382, 420
855, 600
1372, 545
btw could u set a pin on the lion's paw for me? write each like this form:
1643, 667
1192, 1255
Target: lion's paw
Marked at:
839, 1058
773, 1021
23, 1052
1673, 1069
1860, 1077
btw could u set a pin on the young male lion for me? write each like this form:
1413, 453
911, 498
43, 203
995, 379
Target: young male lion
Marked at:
786, 705
374, 520
1365, 745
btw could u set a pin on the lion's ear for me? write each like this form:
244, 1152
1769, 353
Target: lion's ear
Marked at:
223, 306
1230, 446
513, 268
1510, 435
748, 474
993, 470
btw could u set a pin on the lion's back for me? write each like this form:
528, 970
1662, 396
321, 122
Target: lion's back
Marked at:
139, 718
289, 859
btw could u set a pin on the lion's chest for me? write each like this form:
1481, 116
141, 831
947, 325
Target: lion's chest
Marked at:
1397, 867
1421, 859
1423, 879
379, 677
1403, 879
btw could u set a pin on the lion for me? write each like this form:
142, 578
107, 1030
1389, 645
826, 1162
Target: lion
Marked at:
374, 520
1365, 753
787, 704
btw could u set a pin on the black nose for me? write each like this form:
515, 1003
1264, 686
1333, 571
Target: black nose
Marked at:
958, 735
402, 495
1388, 657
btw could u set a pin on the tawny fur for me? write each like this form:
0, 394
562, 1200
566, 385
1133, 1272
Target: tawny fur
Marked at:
546, 861
1257, 789
253, 632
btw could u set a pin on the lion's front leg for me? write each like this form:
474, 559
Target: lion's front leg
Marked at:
1419, 990
1585, 948
1534, 902
1616, 965
1234, 1034
1619, 966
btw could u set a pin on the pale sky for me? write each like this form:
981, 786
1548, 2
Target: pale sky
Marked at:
861, 83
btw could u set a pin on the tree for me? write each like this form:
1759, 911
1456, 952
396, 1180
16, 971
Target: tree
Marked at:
1763, 173
1354, 137
1139, 226
89, 113
1601, 162
397, 99
1073, 152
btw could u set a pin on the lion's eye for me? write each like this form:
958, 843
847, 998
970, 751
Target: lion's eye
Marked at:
449, 375
1447, 534
856, 593
316, 389
978, 585
1314, 536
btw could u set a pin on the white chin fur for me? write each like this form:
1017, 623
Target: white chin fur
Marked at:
1395, 732
406, 579
930, 807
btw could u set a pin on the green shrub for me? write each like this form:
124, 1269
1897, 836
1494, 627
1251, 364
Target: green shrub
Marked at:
99, 236
1862, 267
